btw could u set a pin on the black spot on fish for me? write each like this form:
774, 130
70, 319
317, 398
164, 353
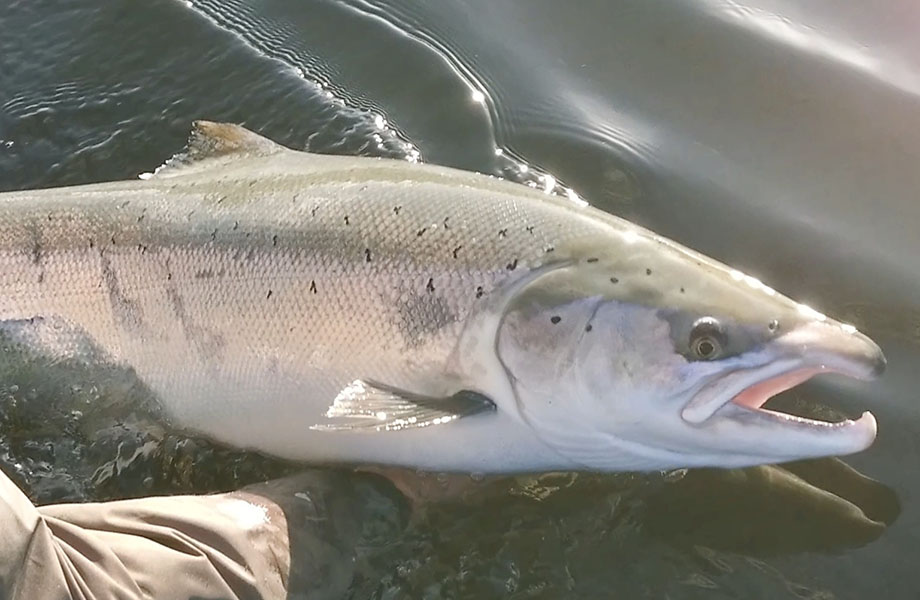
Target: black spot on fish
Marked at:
456, 250
113, 239
445, 223
313, 286
421, 232
142, 248
549, 249
141, 217
529, 229
346, 219
648, 271
41, 276
614, 280
274, 240
512, 265
313, 211
169, 277
430, 286
396, 209
589, 327
268, 295
221, 199
367, 255
682, 290
236, 225
555, 319
591, 260
252, 183
214, 234
92, 243
479, 292
502, 233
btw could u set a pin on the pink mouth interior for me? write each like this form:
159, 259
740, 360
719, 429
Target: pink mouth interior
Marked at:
756, 396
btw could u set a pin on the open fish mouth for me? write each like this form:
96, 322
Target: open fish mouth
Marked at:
734, 400
754, 397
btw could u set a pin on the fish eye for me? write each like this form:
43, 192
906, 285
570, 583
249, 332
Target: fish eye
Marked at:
706, 339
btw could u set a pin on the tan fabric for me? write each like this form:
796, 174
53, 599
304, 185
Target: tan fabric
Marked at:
234, 546
227, 546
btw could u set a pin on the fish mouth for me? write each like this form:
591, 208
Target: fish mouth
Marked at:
754, 397
739, 396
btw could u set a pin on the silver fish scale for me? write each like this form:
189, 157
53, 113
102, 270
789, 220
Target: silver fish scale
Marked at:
253, 290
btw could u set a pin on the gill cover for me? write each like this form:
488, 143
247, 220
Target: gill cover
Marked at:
573, 365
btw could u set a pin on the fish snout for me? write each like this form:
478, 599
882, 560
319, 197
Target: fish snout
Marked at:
834, 346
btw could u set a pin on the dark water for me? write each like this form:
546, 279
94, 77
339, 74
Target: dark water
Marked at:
782, 139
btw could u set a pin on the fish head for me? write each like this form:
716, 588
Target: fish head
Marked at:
662, 358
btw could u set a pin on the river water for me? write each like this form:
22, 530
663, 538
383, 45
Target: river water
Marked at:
782, 138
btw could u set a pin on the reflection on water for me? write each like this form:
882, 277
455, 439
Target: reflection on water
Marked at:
782, 138
816, 506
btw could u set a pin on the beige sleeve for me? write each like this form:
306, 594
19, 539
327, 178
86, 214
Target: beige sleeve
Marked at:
232, 546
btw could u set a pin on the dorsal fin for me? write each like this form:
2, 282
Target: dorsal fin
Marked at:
208, 141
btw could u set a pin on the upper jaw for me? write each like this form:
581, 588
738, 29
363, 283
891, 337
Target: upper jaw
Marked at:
788, 360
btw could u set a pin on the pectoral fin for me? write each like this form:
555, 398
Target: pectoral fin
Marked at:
366, 406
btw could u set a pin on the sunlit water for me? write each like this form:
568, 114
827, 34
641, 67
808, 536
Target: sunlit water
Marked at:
783, 140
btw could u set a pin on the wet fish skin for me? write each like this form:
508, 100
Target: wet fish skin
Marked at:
248, 285
246, 291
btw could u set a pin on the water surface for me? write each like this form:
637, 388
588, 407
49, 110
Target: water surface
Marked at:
778, 137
